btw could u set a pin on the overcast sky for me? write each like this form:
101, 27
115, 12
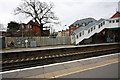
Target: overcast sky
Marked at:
68, 11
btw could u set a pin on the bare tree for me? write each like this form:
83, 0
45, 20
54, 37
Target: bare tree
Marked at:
38, 11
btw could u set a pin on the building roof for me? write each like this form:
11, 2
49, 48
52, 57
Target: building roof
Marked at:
79, 29
89, 25
33, 23
93, 23
80, 22
99, 21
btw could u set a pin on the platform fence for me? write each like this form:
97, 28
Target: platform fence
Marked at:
36, 41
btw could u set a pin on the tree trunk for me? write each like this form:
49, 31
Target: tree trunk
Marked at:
41, 29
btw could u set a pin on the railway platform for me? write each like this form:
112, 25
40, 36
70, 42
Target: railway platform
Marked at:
31, 57
63, 69
51, 47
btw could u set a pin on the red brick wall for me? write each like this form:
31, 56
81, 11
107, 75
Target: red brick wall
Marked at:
117, 14
37, 30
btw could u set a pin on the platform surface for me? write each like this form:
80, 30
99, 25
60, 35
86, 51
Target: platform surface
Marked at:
66, 69
50, 47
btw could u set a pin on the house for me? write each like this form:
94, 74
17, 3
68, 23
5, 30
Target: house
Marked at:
32, 29
103, 30
63, 33
67, 32
59, 34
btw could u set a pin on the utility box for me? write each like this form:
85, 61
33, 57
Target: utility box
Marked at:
2, 42
33, 44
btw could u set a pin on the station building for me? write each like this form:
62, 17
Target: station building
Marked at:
101, 31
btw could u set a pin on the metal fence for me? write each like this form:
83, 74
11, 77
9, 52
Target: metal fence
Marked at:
0, 43
36, 41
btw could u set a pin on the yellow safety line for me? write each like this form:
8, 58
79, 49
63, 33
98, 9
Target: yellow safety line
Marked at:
41, 57
32, 58
17, 60
84, 69
37, 57
5, 61
11, 61
22, 59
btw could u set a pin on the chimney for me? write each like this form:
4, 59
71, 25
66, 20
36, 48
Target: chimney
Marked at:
119, 6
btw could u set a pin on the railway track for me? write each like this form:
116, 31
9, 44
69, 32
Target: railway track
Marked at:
12, 64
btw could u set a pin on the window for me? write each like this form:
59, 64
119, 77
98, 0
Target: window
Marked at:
103, 22
91, 29
83, 24
117, 21
71, 31
88, 31
94, 27
99, 26
80, 34
109, 21
77, 36
83, 32
113, 21
71, 25
77, 25
30, 26
26, 26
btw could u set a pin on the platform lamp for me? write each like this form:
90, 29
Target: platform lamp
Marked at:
22, 35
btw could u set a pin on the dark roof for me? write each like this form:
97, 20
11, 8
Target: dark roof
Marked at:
80, 22
33, 23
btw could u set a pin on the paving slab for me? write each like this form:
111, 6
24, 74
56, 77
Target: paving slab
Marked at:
53, 68
56, 73
24, 73
65, 71
73, 64
37, 76
48, 75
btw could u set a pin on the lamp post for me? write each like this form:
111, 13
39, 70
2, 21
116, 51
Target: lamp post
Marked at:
22, 36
